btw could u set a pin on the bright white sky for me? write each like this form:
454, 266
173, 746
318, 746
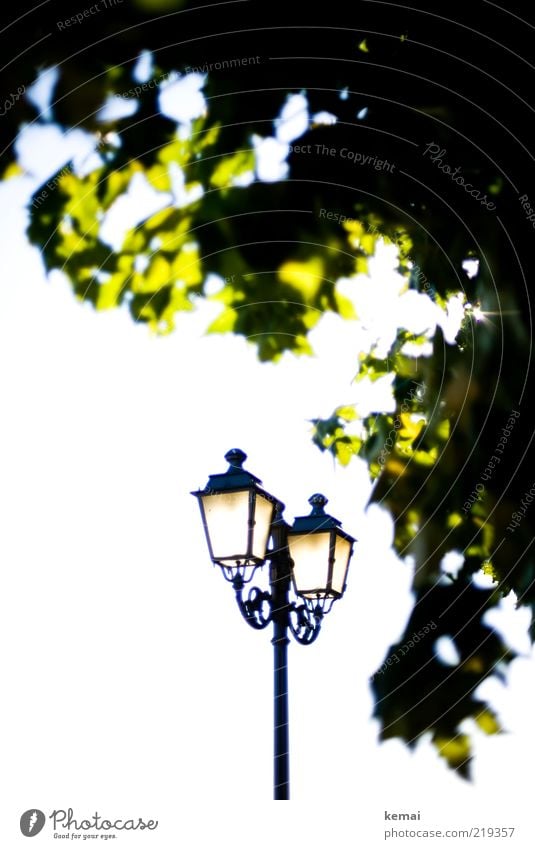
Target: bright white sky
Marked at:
132, 684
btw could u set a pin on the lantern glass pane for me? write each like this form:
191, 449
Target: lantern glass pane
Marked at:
342, 551
227, 520
310, 554
263, 516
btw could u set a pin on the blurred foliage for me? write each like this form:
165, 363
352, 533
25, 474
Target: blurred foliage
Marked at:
455, 614
281, 248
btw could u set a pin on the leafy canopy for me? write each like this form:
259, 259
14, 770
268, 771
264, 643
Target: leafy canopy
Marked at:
283, 244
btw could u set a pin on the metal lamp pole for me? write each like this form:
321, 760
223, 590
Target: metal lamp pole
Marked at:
279, 579
234, 494
303, 622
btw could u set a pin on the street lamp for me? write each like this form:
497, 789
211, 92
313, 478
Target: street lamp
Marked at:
240, 519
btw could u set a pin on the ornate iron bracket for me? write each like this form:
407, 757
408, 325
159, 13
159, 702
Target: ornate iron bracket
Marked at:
257, 608
305, 621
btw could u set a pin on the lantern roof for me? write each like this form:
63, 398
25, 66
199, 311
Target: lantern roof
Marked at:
318, 520
236, 477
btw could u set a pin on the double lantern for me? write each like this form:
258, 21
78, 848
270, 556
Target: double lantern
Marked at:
238, 517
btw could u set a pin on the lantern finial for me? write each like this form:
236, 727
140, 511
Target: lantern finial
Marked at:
235, 458
317, 502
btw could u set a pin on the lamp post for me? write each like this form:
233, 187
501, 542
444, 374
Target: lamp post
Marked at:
311, 558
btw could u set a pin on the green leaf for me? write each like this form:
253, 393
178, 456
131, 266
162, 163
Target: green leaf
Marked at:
304, 277
230, 168
455, 750
224, 323
488, 722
